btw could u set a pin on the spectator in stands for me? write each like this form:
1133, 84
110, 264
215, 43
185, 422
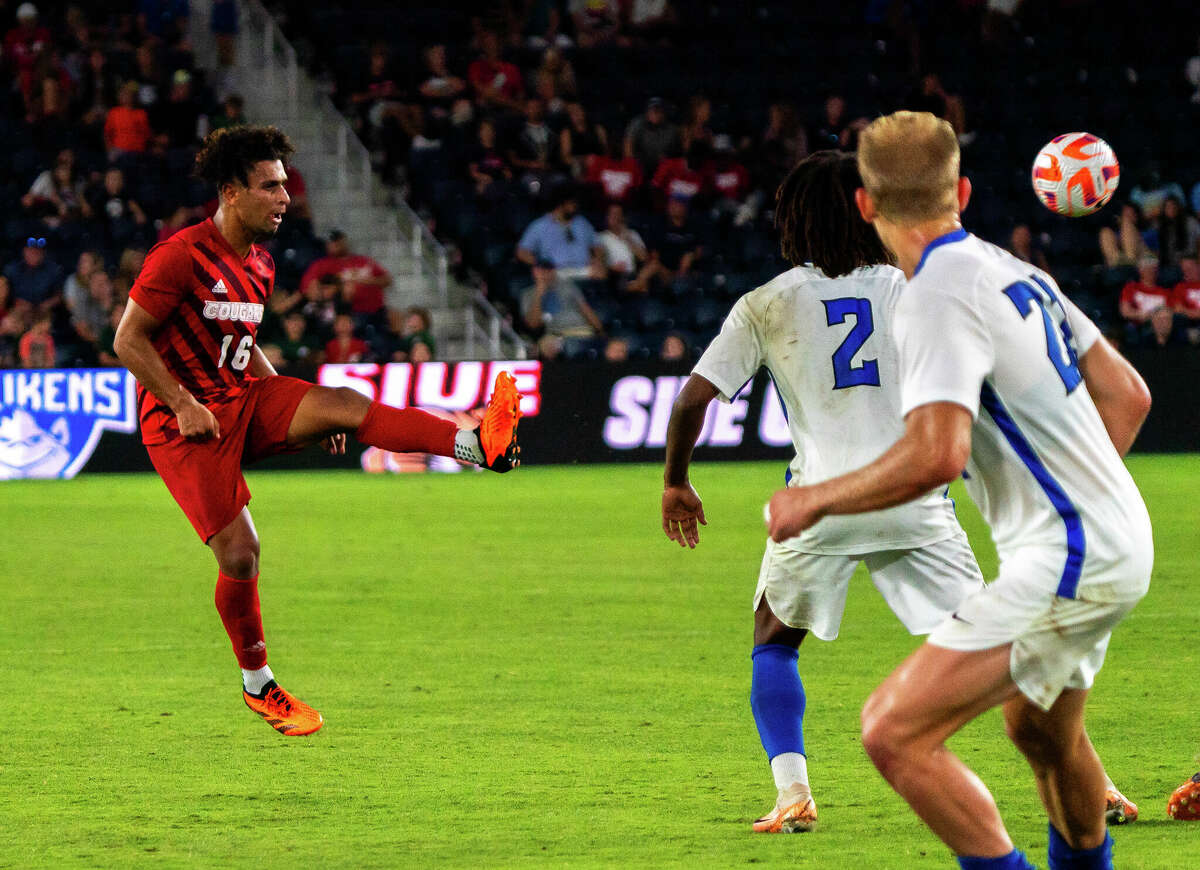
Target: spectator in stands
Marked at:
90, 314
1152, 191
127, 126
36, 347
1124, 245
364, 282
681, 176
836, 129
1022, 245
597, 22
580, 141
441, 88
151, 77
1185, 298
233, 112
674, 349
616, 175
11, 325
1163, 329
97, 90
1178, 233
122, 216
345, 346
696, 122
487, 168
546, 90
413, 335
36, 281
299, 347
378, 100
556, 306
75, 287
49, 115
1141, 298
650, 20
675, 248
930, 96
107, 355
616, 350
726, 178
177, 119
183, 217
558, 70
650, 137
223, 23
784, 143
24, 46
533, 152
129, 266
56, 195
323, 301
496, 82
542, 25
563, 237
622, 248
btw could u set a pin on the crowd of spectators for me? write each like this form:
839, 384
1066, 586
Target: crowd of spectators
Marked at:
101, 120
607, 169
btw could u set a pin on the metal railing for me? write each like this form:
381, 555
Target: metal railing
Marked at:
493, 332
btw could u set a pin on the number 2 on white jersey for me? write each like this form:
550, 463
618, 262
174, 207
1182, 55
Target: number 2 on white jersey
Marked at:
1060, 346
845, 374
241, 356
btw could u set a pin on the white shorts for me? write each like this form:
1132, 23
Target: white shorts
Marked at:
1057, 643
922, 586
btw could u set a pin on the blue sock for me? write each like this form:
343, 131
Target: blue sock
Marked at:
777, 698
1063, 857
1014, 860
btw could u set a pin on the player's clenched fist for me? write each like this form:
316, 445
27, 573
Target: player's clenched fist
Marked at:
197, 423
790, 512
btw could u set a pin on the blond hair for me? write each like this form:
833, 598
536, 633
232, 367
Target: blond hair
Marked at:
909, 164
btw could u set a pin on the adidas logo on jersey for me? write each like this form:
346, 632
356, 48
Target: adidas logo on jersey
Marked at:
219, 287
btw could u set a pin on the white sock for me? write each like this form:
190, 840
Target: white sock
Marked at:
790, 769
255, 680
467, 447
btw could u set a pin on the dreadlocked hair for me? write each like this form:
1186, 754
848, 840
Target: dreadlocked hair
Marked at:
818, 221
227, 155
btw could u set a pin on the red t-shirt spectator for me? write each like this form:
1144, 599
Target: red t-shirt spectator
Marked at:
353, 268
499, 74
1145, 298
350, 351
619, 179
127, 129
23, 46
731, 181
674, 178
295, 186
36, 350
1186, 298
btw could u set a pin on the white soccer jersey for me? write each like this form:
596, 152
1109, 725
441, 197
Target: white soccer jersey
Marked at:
978, 327
828, 345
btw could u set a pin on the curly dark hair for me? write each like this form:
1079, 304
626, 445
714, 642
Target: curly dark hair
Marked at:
227, 155
818, 221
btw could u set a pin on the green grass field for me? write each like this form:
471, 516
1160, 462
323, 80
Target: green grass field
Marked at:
515, 671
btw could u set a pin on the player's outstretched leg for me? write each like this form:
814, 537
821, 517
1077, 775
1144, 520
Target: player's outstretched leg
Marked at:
777, 700
1184, 803
236, 598
326, 411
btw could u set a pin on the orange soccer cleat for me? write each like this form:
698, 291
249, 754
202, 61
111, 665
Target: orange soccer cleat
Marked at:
1184, 803
283, 712
794, 813
498, 431
1119, 809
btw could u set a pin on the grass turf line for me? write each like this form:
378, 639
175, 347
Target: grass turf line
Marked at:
515, 671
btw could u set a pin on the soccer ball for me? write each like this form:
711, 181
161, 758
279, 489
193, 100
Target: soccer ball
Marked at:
1075, 174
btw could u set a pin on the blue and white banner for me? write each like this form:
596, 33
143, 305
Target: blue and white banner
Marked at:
52, 419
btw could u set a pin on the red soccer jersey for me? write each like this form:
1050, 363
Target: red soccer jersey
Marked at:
1145, 298
1186, 297
209, 302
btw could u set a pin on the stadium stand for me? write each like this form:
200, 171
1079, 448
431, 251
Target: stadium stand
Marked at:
481, 114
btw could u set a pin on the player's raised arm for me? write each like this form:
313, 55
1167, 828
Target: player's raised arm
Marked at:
1120, 394
137, 353
681, 505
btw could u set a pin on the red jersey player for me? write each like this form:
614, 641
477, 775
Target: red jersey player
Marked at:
208, 397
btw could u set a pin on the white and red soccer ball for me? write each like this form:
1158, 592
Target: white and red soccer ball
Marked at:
1075, 174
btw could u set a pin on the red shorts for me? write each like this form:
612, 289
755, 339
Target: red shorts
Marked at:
205, 477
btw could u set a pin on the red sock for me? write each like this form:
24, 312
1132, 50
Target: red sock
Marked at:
406, 430
237, 603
